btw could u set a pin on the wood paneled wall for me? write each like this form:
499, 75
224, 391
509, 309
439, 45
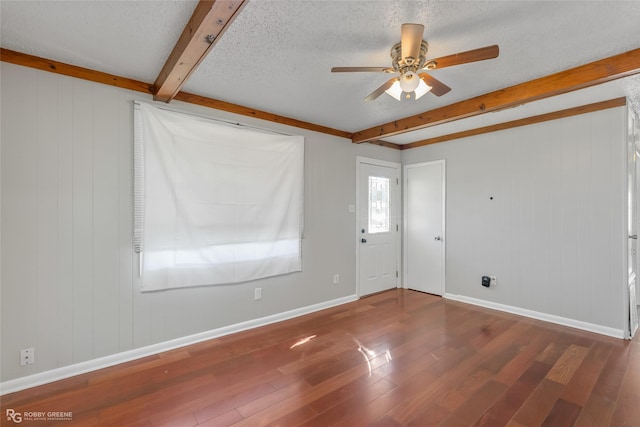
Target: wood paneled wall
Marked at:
542, 207
69, 274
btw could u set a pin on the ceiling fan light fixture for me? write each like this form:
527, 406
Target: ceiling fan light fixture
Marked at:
409, 81
395, 90
422, 89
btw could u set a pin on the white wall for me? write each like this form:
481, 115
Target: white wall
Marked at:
68, 282
554, 232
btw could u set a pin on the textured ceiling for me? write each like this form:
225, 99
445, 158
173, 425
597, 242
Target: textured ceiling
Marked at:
277, 55
128, 38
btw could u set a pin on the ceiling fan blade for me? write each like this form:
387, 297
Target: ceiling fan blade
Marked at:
362, 69
437, 87
488, 52
376, 93
411, 41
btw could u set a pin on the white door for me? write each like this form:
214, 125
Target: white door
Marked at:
424, 239
378, 228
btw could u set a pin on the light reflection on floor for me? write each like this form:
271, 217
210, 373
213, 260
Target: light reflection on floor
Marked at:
302, 341
369, 354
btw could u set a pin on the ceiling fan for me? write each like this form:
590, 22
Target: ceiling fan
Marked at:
409, 58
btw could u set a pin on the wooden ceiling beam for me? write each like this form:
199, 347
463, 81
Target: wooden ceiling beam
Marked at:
25, 60
574, 111
594, 73
56, 67
209, 20
258, 114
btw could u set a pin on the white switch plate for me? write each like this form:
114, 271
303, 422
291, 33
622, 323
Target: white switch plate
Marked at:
257, 294
494, 281
336, 279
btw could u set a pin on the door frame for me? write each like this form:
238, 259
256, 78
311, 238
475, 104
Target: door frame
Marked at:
398, 167
405, 222
631, 307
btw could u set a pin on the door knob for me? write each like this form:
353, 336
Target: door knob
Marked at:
438, 238
363, 240
633, 236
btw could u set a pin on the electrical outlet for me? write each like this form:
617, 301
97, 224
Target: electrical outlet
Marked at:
257, 294
27, 356
494, 281
336, 279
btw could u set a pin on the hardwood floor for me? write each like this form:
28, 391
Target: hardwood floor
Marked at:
398, 358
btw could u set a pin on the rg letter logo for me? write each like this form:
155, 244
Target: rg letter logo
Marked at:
14, 416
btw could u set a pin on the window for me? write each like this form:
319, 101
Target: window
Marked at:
378, 204
215, 203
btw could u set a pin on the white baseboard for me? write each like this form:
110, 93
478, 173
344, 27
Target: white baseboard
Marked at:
564, 321
52, 375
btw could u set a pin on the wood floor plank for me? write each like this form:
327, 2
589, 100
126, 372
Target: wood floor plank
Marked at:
530, 343
217, 392
514, 397
600, 406
160, 362
563, 413
475, 406
318, 351
627, 410
293, 418
353, 404
295, 388
579, 389
386, 422
610, 380
174, 419
567, 364
129, 412
597, 412
341, 394
552, 352
536, 408
332, 367
226, 419
230, 402
458, 394
467, 361
283, 408
397, 358
430, 416
389, 401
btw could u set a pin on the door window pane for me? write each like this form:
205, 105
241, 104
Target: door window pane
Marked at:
378, 204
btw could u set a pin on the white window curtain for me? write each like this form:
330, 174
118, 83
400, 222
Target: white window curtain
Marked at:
214, 203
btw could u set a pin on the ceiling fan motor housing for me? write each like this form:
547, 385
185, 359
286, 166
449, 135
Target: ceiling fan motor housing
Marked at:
403, 65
